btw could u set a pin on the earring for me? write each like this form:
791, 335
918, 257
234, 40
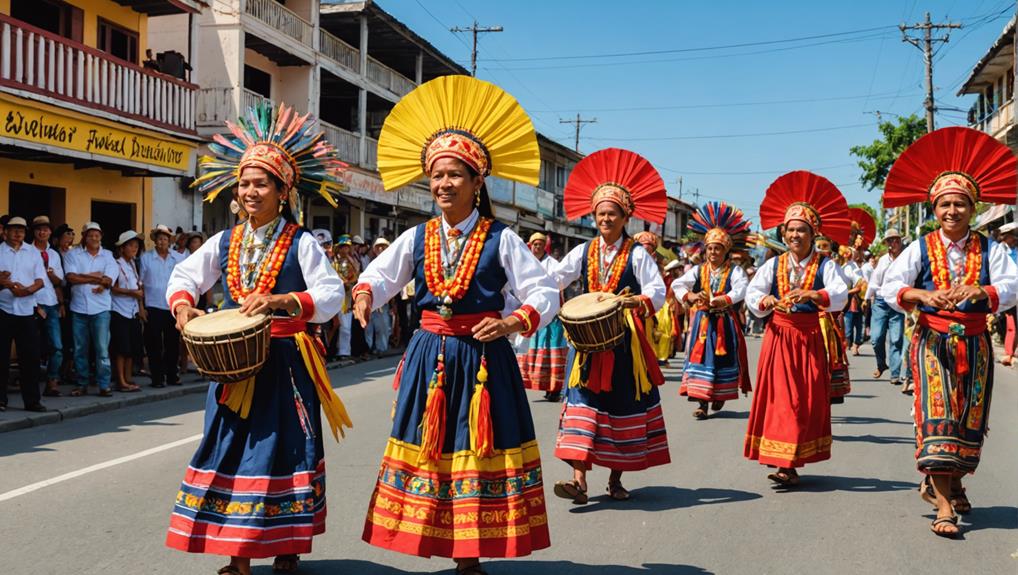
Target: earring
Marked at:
477, 197
282, 202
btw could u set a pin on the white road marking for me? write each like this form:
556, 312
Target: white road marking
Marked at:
380, 371
97, 467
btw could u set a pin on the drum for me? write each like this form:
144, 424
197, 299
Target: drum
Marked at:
228, 346
593, 321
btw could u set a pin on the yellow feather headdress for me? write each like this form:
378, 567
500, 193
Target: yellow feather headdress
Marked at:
462, 117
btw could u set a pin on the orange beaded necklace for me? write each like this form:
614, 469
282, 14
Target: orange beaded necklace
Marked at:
940, 268
451, 289
271, 264
618, 265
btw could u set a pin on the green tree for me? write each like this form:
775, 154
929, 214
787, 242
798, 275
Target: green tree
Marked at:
876, 159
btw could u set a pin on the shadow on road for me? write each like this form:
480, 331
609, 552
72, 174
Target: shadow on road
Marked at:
495, 567
663, 498
878, 439
996, 517
829, 483
856, 420
730, 415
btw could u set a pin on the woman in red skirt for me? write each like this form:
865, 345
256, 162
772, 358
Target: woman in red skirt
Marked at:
790, 421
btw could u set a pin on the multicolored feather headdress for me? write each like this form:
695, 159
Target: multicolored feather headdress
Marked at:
953, 160
720, 223
460, 117
862, 224
281, 142
805, 196
620, 176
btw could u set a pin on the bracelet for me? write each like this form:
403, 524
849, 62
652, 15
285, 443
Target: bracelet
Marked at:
524, 318
300, 307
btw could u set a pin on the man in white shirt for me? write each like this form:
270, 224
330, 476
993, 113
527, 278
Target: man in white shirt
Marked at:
90, 271
50, 302
886, 324
21, 276
162, 340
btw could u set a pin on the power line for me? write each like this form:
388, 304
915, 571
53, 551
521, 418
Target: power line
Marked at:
475, 30
758, 173
578, 122
744, 135
883, 95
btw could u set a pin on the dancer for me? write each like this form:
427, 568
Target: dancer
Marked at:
461, 473
955, 278
790, 420
716, 366
543, 363
256, 486
612, 413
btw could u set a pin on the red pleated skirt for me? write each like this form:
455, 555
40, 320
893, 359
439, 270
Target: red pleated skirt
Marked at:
790, 421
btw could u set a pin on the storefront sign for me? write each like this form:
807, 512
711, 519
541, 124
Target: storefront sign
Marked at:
500, 190
50, 126
416, 199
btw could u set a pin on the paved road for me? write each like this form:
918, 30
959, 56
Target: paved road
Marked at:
710, 511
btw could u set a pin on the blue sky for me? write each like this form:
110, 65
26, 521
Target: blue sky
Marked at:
703, 114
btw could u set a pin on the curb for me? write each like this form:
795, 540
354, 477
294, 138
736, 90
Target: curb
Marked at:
197, 385
58, 415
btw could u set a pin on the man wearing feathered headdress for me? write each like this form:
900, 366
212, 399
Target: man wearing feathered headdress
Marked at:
612, 415
955, 278
256, 485
716, 366
790, 420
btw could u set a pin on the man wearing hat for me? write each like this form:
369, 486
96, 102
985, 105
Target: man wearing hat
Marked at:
21, 276
886, 323
50, 302
90, 271
361, 251
324, 238
379, 328
348, 267
1008, 234
162, 340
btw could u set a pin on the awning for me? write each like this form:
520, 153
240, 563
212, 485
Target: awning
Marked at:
991, 215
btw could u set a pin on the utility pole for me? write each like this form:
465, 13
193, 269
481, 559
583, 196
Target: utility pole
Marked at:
475, 30
578, 122
680, 187
925, 43
696, 195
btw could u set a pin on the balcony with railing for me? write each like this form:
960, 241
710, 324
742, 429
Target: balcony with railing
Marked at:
39, 62
340, 52
279, 17
996, 122
389, 78
347, 144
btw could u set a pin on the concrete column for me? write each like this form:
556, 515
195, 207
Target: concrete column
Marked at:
419, 68
362, 97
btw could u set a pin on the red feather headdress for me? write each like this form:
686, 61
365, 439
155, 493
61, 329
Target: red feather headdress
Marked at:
803, 195
620, 176
953, 160
863, 223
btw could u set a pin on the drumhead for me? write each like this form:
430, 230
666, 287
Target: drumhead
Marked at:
589, 305
222, 323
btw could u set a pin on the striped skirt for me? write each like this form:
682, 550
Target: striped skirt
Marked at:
460, 504
707, 374
256, 486
951, 410
613, 429
543, 358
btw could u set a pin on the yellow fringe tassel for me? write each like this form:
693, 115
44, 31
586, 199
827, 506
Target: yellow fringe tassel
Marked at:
481, 431
237, 396
643, 383
335, 411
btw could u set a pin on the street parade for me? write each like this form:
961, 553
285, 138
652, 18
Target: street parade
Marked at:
369, 356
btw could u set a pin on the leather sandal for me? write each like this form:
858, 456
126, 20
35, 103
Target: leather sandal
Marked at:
950, 520
617, 492
960, 502
571, 490
228, 570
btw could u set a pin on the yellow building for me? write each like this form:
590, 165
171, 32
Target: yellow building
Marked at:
91, 127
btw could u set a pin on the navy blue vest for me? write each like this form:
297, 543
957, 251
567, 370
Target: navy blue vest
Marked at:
290, 278
485, 291
697, 288
818, 284
628, 278
925, 278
